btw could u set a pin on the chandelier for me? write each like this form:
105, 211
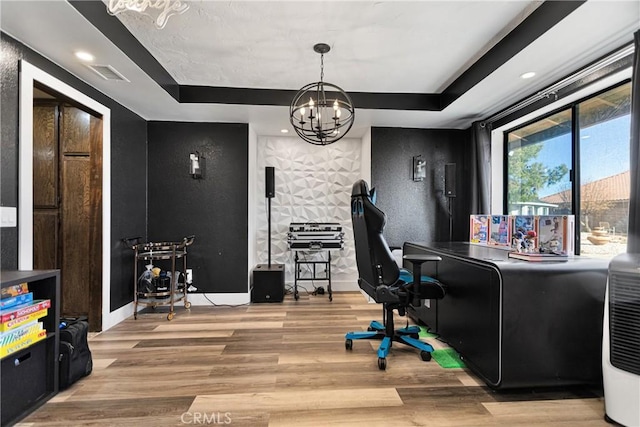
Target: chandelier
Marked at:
321, 113
165, 8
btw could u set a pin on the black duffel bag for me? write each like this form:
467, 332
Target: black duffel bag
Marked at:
75, 357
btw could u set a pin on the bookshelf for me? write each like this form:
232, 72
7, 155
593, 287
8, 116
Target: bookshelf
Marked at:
30, 376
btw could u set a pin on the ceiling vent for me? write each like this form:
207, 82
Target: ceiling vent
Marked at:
107, 72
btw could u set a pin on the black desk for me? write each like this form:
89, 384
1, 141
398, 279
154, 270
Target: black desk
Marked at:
518, 323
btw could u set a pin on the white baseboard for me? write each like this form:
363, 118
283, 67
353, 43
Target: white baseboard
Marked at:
117, 316
222, 299
336, 285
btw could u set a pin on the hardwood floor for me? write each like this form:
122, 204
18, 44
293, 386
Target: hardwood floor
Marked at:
286, 365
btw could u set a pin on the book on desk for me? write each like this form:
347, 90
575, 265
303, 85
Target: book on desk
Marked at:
539, 257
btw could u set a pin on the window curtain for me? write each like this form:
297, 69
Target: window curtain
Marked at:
480, 187
633, 242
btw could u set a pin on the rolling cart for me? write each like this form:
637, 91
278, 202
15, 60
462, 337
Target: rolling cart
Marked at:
314, 237
324, 274
163, 289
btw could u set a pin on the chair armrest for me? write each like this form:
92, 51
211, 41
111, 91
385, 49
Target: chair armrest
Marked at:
417, 260
421, 258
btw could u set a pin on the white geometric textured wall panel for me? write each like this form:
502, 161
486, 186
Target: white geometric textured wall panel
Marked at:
312, 184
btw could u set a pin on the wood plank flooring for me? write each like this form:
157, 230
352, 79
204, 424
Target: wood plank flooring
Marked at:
286, 365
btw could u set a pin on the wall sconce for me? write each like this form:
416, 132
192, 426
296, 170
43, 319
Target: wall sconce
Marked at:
419, 168
196, 165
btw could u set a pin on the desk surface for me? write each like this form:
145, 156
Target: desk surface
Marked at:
520, 323
500, 256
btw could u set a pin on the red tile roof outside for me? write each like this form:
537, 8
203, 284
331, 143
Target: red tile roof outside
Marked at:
615, 187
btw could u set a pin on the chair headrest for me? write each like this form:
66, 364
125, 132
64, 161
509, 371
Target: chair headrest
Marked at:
360, 189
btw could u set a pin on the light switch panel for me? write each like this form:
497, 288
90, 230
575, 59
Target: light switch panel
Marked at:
8, 216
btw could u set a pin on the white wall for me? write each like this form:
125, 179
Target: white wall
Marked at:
313, 184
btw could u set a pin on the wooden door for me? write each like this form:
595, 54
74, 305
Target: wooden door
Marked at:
68, 218
46, 217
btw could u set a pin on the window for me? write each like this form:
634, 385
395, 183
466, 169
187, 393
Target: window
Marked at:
538, 164
586, 143
604, 129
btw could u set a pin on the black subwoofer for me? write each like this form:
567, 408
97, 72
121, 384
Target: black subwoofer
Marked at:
267, 283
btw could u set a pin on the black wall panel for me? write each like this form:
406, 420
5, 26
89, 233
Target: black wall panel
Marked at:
128, 198
128, 165
214, 208
419, 211
9, 81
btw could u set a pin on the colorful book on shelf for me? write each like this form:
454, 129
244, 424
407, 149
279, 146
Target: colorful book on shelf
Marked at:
15, 290
479, 229
538, 257
15, 301
500, 231
21, 321
23, 310
15, 335
24, 342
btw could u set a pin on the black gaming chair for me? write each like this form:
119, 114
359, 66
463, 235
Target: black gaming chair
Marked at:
382, 279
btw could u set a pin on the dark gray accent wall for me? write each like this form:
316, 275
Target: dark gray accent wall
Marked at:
128, 198
128, 165
214, 208
10, 54
419, 211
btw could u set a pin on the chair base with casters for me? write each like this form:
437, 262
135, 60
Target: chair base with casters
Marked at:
397, 299
377, 331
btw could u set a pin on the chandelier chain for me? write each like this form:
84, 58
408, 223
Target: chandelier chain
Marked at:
322, 67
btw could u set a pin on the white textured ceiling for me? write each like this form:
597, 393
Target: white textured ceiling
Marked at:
381, 46
376, 46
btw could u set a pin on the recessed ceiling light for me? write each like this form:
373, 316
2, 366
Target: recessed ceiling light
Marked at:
528, 75
84, 56
284, 130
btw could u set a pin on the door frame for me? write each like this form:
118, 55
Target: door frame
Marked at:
28, 75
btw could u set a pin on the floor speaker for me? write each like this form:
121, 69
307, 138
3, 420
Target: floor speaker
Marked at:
450, 180
267, 283
270, 183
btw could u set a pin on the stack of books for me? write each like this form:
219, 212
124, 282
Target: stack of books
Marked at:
19, 314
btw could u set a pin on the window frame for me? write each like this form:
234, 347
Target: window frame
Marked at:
574, 172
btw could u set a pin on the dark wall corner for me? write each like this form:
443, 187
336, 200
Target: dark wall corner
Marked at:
419, 211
